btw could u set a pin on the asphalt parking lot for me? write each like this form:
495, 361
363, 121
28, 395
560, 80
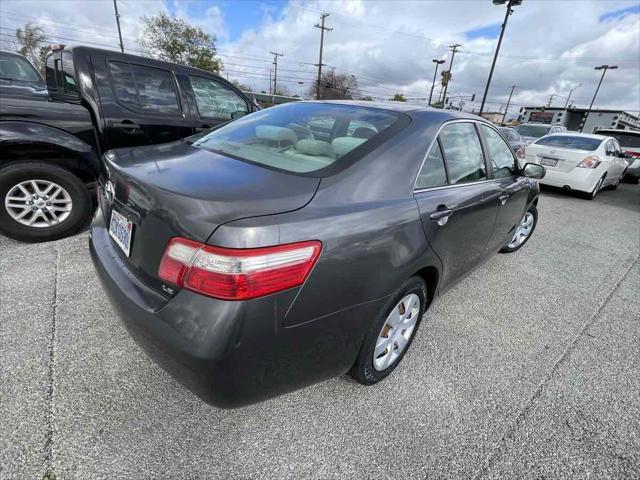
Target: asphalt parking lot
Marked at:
530, 368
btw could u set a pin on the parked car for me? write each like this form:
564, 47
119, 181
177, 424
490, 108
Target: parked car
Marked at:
18, 77
513, 137
578, 161
303, 241
530, 132
50, 147
629, 141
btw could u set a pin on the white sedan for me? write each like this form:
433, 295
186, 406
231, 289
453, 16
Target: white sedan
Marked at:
577, 161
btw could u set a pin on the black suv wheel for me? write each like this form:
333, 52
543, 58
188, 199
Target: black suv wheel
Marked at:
41, 202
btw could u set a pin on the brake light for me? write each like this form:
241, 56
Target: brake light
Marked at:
237, 274
592, 161
520, 153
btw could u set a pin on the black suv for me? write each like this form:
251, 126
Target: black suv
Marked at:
50, 147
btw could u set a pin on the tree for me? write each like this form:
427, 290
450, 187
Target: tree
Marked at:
242, 86
42, 58
30, 37
283, 90
398, 97
174, 40
336, 86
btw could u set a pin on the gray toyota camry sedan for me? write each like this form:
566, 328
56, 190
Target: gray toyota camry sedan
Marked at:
303, 241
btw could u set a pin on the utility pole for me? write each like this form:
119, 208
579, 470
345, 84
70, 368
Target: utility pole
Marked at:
550, 99
510, 4
115, 7
604, 69
570, 93
322, 30
513, 87
433, 84
270, 82
454, 49
275, 72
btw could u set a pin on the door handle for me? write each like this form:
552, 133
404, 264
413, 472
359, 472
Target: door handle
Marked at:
127, 125
441, 216
503, 199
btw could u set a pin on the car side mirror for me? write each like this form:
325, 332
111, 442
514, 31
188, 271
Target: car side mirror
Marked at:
533, 170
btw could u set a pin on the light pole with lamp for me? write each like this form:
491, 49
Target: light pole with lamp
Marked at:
604, 69
510, 3
438, 63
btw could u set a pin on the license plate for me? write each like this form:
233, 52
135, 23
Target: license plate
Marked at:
120, 230
549, 162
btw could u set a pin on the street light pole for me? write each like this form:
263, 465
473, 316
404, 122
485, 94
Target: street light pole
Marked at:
604, 69
510, 4
433, 84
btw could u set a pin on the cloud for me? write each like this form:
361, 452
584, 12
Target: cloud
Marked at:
549, 47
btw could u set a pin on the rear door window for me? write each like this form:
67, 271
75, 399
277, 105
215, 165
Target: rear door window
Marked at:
432, 174
463, 153
214, 100
504, 163
144, 89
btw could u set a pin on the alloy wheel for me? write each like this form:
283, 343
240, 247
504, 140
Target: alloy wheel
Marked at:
523, 231
396, 332
38, 203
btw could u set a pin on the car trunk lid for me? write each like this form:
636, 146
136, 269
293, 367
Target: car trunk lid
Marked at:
565, 159
178, 190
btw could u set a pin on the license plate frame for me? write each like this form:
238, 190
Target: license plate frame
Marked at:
121, 231
548, 161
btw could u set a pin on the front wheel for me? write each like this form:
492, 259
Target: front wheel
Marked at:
391, 333
523, 232
41, 202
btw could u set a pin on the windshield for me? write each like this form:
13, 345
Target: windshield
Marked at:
18, 69
536, 131
301, 137
574, 142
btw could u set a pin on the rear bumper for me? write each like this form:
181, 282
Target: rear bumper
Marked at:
229, 353
581, 179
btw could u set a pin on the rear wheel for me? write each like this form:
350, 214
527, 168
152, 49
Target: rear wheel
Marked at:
41, 202
592, 194
391, 334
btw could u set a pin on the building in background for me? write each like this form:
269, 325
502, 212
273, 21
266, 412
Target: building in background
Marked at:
572, 118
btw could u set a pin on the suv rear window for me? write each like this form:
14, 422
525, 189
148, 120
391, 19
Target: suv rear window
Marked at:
570, 141
287, 137
629, 140
532, 130
145, 89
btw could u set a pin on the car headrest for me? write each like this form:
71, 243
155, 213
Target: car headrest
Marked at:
343, 145
364, 132
274, 133
317, 148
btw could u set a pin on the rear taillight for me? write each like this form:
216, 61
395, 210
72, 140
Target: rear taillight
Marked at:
520, 153
592, 161
237, 274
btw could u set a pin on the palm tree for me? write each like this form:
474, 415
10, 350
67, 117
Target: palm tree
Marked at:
30, 37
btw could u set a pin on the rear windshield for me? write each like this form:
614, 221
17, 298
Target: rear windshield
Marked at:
628, 140
303, 137
18, 69
567, 141
532, 130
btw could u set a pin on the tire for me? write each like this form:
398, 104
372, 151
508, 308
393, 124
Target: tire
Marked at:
592, 194
511, 246
72, 204
363, 370
617, 182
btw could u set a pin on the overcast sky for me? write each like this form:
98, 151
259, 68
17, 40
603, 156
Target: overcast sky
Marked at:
549, 46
